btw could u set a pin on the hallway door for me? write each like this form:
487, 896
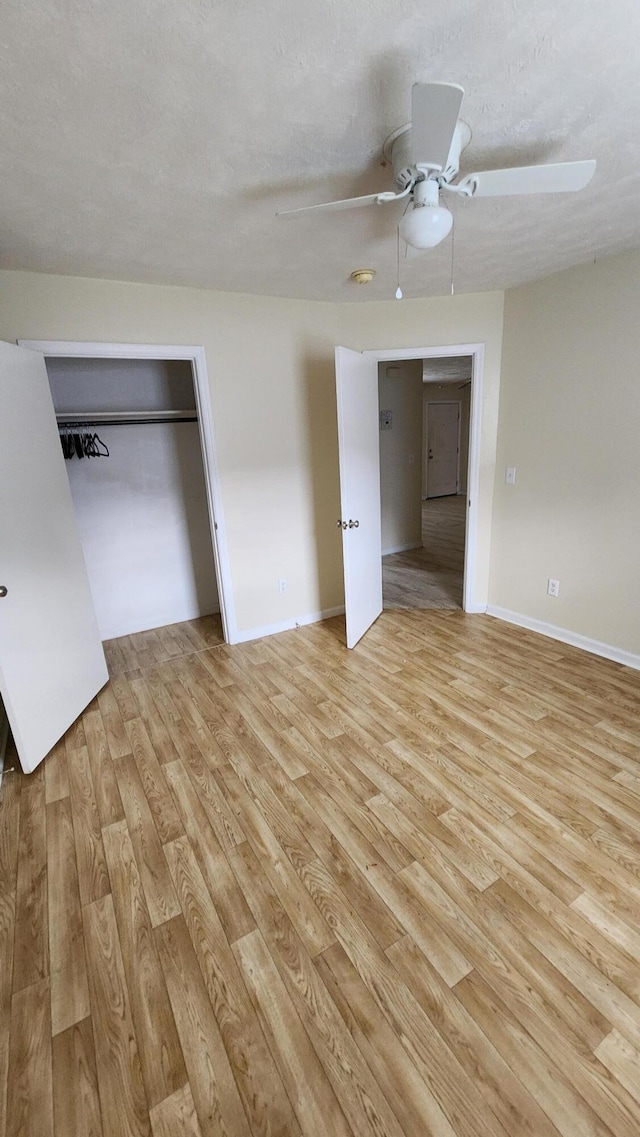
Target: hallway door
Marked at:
443, 448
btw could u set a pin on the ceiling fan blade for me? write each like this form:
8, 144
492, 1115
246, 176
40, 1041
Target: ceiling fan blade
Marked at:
558, 177
434, 114
346, 203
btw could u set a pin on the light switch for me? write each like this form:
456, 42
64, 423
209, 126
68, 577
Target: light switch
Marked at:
510, 477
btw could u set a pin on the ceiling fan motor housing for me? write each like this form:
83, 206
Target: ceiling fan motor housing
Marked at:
397, 150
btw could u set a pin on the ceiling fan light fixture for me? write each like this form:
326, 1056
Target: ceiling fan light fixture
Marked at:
427, 223
425, 226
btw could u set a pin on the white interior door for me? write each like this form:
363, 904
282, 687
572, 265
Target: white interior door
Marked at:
359, 451
443, 442
51, 658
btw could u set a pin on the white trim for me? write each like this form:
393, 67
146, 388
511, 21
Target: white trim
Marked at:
402, 548
196, 356
288, 625
441, 351
596, 647
470, 602
74, 349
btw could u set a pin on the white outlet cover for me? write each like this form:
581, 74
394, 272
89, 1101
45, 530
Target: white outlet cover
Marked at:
386, 420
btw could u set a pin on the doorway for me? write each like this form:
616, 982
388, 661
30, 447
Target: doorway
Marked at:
359, 422
424, 452
151, 402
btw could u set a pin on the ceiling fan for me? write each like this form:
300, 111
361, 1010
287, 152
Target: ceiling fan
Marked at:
425, 156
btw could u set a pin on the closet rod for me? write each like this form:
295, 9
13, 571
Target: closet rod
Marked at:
124, 418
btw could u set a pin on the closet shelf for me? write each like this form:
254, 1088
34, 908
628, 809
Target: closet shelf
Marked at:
124, 418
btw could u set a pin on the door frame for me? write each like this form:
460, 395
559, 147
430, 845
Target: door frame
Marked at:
476, 352
194, 355
425, 439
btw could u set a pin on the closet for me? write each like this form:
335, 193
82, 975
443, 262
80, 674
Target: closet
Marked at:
130, 434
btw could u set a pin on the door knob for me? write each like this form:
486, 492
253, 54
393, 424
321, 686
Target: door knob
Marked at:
341, 524
353, 524
3, 591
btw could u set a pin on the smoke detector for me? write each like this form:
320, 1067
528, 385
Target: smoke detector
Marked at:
363, 275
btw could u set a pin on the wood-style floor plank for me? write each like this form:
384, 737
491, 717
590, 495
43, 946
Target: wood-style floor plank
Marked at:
156, 881
281, 889
56, 780
161, 1059
176, 1116
104, 779
259, 1084
93, 878
76, 1101
514, 1107
215, 1091
157, 794
69, 985
308, 1087
31, 955
30, 1085
122, 1097
364, 1106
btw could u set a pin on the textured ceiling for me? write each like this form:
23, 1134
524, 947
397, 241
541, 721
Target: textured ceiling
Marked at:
154, 141
447, 369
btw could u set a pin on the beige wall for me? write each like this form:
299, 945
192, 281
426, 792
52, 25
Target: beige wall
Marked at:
400, 450
570, 424
270, 365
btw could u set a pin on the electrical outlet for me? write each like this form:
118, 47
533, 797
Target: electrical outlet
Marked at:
510, 476
553, 587
282, 585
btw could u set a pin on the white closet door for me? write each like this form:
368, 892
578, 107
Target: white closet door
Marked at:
51, 658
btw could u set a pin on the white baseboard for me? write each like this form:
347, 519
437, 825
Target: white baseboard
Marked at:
607, 651
287, 625
474, 609
402, 548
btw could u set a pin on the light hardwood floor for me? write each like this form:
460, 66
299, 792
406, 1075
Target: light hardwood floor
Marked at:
430, 577
285, 889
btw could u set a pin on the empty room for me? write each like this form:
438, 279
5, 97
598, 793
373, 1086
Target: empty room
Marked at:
319, 548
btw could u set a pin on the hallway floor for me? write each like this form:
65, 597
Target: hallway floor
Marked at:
430, 577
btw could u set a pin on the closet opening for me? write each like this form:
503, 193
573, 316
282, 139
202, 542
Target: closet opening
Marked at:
136, 433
